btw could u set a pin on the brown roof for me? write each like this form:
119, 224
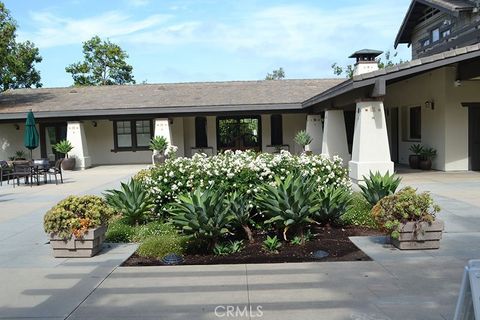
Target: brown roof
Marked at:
162, 97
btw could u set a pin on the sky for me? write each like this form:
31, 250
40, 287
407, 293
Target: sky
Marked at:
210, 40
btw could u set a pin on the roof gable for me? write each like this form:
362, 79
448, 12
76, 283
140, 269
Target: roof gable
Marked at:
417, 8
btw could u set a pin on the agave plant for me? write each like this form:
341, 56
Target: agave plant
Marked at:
377, 186
291, 203
416, 149
333, 204
303, 138
63, 147
132, 201
240, 210
205, 215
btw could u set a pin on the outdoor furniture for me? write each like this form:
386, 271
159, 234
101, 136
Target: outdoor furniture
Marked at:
40, 167
22, 170
56, 170
5, 171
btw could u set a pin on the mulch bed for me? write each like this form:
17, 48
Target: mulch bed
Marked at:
333, 240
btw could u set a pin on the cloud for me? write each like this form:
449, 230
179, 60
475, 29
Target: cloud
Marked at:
138, 3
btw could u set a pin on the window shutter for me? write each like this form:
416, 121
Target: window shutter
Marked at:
201, 132
276, 129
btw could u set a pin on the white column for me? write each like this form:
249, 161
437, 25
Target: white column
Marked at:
335, 136
315, 130
371, 150
163, 129
76, 136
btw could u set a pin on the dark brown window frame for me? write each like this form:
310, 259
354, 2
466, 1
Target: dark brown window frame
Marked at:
201, 138
133, 134
415, 129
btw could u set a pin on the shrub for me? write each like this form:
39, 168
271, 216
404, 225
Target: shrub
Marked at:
205, 215
405, 206
63, 147
231, 247
334, 202
75, 215
240, 209
240, 172
119, 232
133, 202
272, 244
358, 212
152, 229
158, 143
160, 246
291, 203
377, 186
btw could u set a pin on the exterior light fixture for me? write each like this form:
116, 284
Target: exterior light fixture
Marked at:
17, 127
429, 104
95, 124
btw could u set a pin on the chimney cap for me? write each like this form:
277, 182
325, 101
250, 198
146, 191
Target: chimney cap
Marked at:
366, 53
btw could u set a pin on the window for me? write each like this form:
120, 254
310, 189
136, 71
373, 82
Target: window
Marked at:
435, 35
415, 123
201, 132
239, 133
276, 129
446, 33
132, 135
426, 42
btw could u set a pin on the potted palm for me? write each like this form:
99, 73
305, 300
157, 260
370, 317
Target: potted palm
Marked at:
77, 226
303, 139
414, 159
158, 145
64, 147
427, 155
410, 219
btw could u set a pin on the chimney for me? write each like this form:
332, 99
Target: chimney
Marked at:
365, 61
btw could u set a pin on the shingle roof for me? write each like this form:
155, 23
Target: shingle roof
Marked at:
415, 11
158, 96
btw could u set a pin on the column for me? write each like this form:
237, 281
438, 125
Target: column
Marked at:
371, 151
335, 136
163, 129
76, 136
315, 130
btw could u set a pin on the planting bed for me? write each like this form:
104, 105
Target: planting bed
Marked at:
333, 240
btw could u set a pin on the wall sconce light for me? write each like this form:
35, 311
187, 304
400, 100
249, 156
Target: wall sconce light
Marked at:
170, 121
430, 104
17, 127
95, 124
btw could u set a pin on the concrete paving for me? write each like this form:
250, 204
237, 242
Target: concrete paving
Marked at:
396, 285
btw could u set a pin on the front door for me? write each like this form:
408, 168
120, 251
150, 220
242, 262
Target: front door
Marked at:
50, 134
239, 133
474, 137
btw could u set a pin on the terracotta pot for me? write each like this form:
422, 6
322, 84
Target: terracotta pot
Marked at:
68, 164
414, 161
426, 164
158, 158
86, 246
427, 236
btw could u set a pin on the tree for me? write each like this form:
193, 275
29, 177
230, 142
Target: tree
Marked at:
276, 75
104, 64
348, 70
17, 59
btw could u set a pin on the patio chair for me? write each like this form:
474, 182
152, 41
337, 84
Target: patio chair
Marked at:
5, 171
22, 170
56, 170
41, 167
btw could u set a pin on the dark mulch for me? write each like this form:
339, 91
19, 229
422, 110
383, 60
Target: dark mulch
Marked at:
333, 240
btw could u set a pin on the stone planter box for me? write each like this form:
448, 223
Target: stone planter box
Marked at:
87, 246
427, 237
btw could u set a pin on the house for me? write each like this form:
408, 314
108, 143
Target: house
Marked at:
370, 120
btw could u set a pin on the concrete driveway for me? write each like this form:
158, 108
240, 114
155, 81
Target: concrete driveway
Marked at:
396, 285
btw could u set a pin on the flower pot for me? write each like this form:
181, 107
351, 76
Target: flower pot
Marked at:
426, 164
158, 157
414, 161
68, 164
84, 247
427, 236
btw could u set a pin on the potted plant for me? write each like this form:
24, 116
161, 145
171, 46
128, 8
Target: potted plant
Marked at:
64, 147
428, 154
77, 226
414, 159
410, 219
303, 139
158, 145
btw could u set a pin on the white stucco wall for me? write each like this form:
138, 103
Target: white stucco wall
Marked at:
11, 140
292, 123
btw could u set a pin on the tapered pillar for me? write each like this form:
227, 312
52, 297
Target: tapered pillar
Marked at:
163, 129
371, 150
315, 130
335, 136
76, 136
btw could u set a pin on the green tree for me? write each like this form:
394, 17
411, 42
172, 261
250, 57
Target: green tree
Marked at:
104, 64
276, 75
17, 59
388, 61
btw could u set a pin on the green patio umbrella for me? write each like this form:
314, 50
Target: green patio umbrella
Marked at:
30, 136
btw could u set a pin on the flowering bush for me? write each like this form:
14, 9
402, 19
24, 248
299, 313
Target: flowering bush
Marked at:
240, 171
